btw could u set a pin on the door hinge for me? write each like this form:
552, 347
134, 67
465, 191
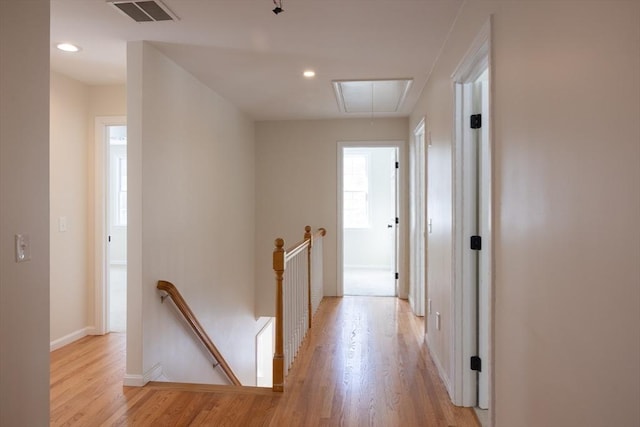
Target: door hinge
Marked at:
476, 363
476, 121
397, 165
476, 243
397, 220
397, 276
109, 239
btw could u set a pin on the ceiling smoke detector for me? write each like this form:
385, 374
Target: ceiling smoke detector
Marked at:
144, 11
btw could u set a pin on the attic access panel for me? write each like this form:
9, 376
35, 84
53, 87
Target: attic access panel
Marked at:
371, 96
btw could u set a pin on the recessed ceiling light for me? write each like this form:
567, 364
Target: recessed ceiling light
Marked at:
309, 73
68, 47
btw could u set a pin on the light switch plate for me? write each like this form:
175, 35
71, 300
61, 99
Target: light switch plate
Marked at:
23, 248
437, 321
62, 224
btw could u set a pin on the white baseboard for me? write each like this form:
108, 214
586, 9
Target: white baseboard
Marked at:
443, 375
133, 380
69, 338
140, 380
153, 373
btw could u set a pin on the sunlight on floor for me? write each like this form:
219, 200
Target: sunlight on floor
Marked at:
369, 282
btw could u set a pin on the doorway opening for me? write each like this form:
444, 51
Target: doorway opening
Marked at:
369, 195
111, 224
117, 227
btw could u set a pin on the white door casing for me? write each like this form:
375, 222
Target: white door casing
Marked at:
472, 287
101, 227
401, 288
418, 212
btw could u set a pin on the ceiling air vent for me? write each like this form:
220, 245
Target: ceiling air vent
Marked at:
371, 96
144, 11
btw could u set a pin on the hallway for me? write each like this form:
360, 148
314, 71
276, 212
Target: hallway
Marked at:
364, 363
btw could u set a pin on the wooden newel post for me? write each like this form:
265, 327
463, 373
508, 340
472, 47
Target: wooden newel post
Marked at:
309, 236
278, 357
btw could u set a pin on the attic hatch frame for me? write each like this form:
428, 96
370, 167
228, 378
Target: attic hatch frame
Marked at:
340, 85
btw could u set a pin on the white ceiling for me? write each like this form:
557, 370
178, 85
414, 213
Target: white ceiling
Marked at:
255, 58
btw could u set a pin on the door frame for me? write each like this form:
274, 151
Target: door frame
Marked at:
464, 301
401, 288
417, 217
101, 228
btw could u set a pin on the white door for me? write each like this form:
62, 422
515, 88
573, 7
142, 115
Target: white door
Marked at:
369, 225
477, 210
481, 101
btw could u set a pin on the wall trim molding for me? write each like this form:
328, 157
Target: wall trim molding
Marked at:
443, 374
72, 337
134, 380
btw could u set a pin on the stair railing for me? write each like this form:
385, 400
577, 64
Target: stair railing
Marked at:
298, 295
191, 319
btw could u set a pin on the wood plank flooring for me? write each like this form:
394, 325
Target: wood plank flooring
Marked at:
363, 364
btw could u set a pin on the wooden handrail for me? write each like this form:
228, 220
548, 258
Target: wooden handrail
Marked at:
177, 299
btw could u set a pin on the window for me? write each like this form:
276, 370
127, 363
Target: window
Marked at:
118, 174
121, 201
356, 190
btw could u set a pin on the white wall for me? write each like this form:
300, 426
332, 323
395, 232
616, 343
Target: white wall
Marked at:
74, 106
191, 222
567, 202
70, 278
296, 185
24, 208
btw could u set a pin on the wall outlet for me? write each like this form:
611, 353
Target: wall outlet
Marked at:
437, 321
23, 248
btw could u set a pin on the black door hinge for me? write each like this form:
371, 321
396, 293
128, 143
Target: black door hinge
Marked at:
397, 276
476, 243
476, 121
109, 238
397, 165
476, 363
397, 220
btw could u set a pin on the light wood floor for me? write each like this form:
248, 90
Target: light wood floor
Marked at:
363, 364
